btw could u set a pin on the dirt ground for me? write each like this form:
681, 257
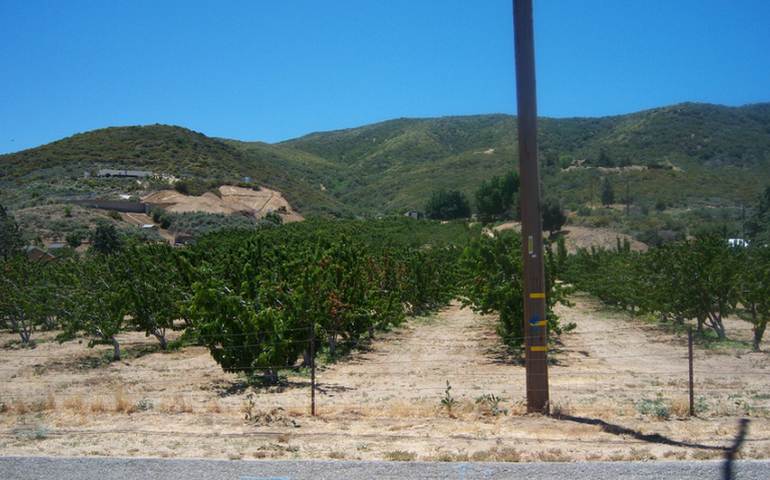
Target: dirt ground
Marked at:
612, 382
576, 237
230, 200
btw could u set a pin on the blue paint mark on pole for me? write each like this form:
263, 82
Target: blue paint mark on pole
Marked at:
535, 318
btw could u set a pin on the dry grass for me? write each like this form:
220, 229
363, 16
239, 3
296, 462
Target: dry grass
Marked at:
497, 454
400, 456
122, 402
98, 405
75, 404
177, 404
680, 407
20, 407
551, 455
214, 407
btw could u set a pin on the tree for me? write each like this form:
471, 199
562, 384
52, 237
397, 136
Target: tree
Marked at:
151, 284
605, 160
74, 238
105, 239
11, 240
448, 205
755, 291
758, 226
553, 216
608, 193
26, 295
92, 301
497, 196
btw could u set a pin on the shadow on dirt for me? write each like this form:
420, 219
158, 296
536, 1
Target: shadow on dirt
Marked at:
730, 453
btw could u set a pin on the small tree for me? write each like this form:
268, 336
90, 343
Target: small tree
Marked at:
151, 286
448, 205
25, 296
758, 226
553, 216
608, 193
92, 302
11, 240
755, 291
605, 160
497, 196
105, 239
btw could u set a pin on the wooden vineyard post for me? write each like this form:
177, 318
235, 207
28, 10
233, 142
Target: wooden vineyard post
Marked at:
312, 369
692, 375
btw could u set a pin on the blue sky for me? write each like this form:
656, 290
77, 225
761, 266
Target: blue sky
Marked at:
275, 69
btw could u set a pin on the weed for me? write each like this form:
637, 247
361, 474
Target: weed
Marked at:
37, 432
144, 405
448, 401
656, 408
490, 405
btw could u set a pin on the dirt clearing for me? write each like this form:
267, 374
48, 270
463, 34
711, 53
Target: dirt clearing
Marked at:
619, 384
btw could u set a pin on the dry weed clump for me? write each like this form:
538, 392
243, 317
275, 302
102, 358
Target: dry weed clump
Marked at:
400, 456
561, 409
20, 407
551, 455
497, 454
214, 407
177, 404
122, 402
680, 407
75, 404
98, 405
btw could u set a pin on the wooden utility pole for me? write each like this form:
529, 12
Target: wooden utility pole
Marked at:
531, 221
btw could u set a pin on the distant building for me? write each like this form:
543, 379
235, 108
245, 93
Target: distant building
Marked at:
414, 214
737, 242
107, 173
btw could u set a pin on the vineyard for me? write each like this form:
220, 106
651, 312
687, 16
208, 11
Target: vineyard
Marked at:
413, 330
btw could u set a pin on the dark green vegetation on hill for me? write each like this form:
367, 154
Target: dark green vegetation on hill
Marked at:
684, 157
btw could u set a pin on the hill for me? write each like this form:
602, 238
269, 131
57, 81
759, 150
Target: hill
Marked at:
55, 172
686, 156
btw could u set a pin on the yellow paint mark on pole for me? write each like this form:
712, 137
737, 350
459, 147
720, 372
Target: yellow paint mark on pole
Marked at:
538, 349
537, 295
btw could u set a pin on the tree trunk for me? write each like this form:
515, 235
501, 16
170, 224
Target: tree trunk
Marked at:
270, 376
700, 326
759, 331
371, 332
715, 322
160, 334
115, 350
332, 344
25, 335
306, 357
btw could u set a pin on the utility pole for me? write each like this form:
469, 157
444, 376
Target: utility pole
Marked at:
531, 221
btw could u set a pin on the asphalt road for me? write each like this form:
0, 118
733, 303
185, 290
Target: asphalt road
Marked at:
42, 468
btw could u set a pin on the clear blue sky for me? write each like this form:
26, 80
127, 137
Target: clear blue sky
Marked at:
275, 69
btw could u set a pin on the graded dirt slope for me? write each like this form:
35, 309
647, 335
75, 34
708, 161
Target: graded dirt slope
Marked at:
230, 200
576, 237
384, 401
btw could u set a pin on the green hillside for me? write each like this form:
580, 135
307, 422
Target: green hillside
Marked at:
687, 155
